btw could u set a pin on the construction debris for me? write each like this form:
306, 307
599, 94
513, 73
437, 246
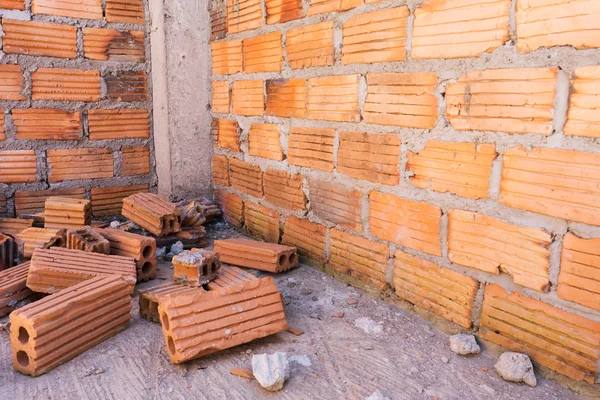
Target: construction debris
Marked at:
150, 298
270, 370
516, 367
257, 255
141, 248
195, 267
41, 238
10, 251
14, 292
464, 344
242, 372
152, 213
65, 212
14, 226
192, 214
87, 239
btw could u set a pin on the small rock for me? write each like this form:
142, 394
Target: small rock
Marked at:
160, 252
338, 315
377, 396
368, 325
464, 344
291, 284
242, 372
516, 367
306, 292
369, 347
445, 360
177, 248
352, 302
115, 224
315, 316
300, 359
270, 370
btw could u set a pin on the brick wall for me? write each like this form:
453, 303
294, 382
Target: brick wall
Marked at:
443, 153
75, 103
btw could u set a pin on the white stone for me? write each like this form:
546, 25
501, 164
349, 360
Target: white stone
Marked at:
516, 367
377, 396
270, 370
464, 344
368, 325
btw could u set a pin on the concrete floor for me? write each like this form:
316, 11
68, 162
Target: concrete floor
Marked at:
403, 357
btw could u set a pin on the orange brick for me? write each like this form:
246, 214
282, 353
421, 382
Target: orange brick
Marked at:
583, 118
3, 206
263, 141
12, 82
359, 258
284, 190
13, 4
47, 124
374, 158
65, 85
279, 11
262, 222
232, 207
579, 278
243, 15
311, 147
221, 97
227, 57
310, 46
220, 170
462, 28
34, 201
286, 97
131, 11
326, 6
554, 338
334, 98
401, 100
113, 45
72, 164
87, 9
136, 161
560, 183
109, 201
431, 287
2, 128
307, 237
263, 53
557, 23
118, 124
126, 86
410, 223
39, 39
227, 134
378, 36
246, 177
503, 100
494, 246
218, 21
18, 166
460, 168
248, 98
336, 203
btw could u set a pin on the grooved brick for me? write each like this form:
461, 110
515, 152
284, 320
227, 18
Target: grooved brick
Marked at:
263, 53
503, 100
130, 11
86, 9
113, 45
460, 168
263, 141
118, 124
248, 98
14, 292
66, 212
221, 97
554, 338
40, 238
83, 163
88, 240
494, 246
246, 177
13, 4
220, 170
284, 190
12, 82
2, 128
126, 86
310, 46
334, 98
583, 118
226, 133
561, 183
232, 207
13, 226
311, 147
47, 124
18, 166
243, 15
374, 158
437, 289
34, 201
262, 222
141, 248
461, 28
65, 85
286, 97
326, 6
336, 203
227, 57
406, 222
218, 20
39, 39
378, 36
307, 237
109, 200
3, 206
136, 161
279, 11
153, 213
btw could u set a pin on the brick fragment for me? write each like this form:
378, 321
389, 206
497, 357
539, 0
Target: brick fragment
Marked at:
126, 86
311, 148
83, 163
65, 85
109, 200
437, 289
279, 11
14, 226
209, 210
374, 158
584, 107
87, 239
336, 203
220, 170
18, 166
284, 190
47, 124
262, 256
263, 141
326, 6
261, 222
406, 222
14, 292
401, 100
10, 251
2, 128
248, 98
503, 100
307, 237
39, 38
243, 15
310, 46
195, 267
227, 57
65, 212
136, 161
34, 201
118, 124
359, 258
263, 53
13, 4
560, 183
41, 238
113, 45
57, 328
192, 214
232, 206
153, 213
465, 28
12, 79
579, 278
286, 97
150, 298
218, 21
334, 98
554, 338
3, 206
460, 168
226, 134
246, 177
129, 11
221, 97
141, 248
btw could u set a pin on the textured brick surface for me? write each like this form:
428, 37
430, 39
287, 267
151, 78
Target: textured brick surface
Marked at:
279, 11
70, 164
227, 57
286, 97
248, 98
284, 190
442, 291
29, 202
269, 257
227, 134
131, 11
14, 293
221, 97
325, 6
374, 158
87, 239
39, 39
218, 22
464, 28
136, 161
118, 124
65, 85
13, 4
243, 15
40, 238
141, 248
263, 141
336, 203
310, 46
560, 183
109, 200
308, 237
333, 98
262, 222
401, 99
409, 223
13, 226
12, 79
553, 338
232, 206
311, 147
47, 124
3, 205
378, 36
494, 246
126, 86
113, 45
263, 53
86, 9
579, 278
152, 212
18, 166
2, 128
503, 100
246, 177
67, 212
220, 170
583, 118
460, 168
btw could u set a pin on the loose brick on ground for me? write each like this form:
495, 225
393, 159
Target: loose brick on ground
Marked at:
503, 100
39, 38
109, 200
13, 4
126, 86
311, 147
246, 177
31, 202
41, 238
11, 250
243, 15
407, 222
286, 97
12, 79
310, 46
118, 124
14, 292
221, 97
220, 170
326, 6
47, 124
232, 207
334, 98
261, 222
153, 213
336, 203
87, 239
113, 45
150, 298
195, 267
65, 85
131, 11
18, 166
227, 57
437, 289
263, 53
83, 163
284, 190
226, 134
14, 226
583, 118
269, 257
308, 237
279, 11
263, 141
460, 168
66, 212
141, 248
248, 98
86, 9
136, 161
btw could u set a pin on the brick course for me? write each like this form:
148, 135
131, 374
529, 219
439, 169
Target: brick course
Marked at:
286, 97
263, 53
311, 147
310, 46
263, 141
333, 98
262, 222
47, 124
284, 190
39, 39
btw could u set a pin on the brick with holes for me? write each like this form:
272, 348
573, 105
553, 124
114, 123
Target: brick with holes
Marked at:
41, 238
153, 213
87, 239
66, 212
141, 248
195, 267
248, 253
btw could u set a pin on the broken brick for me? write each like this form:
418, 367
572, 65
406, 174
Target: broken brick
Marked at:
66, 212
41, 238
31, 202
221, 97
310, 46
243, 15
153, 213
232, 206
18, 166
263, 141
311, 147
113, 45
14, 226
87, 239
263, 53
307, 237
226, 134
82, 163
109, 200
14, 292
227, 57
262, 222
583, 118
280, 11
136, 161
118, 124
334, 98
286, 97
242, 373
220, 170
246, 177
196, 267
65, 85
192, 214
10, 251
47, 124
336, 203
128, 11
141, 248
126, 86
326, 6
39, 38
270, 257
284, 190
12, 79
248, 98
86, 9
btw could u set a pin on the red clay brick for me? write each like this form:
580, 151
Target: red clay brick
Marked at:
334, 98
2, 128
3, 206
11, 250
220, 170
126, 86
113, 45
141, 248
284, 190
72, 164
406, 222
221, 97
326, 6
118, 124
109, 201
246, 177
311, 148
18, 166
67, 212
243, 15
248, 98
263, 53
12, 79
14, 292
34, 201
460, 168
336, 203
269, 257
286, 97
227, 134
263, 141
47, 124
41, 238
310, 46
153, 213
583, 118
86, 9
136, 161
227, 57
442, 291
307, 237
65, 85
232, 206
14, 226
131, 11
279, 11
39, 38
87, 239
262, 222
13, 4
195, 267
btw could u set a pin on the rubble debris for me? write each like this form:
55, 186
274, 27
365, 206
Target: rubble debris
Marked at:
13, 226
41, 238
300, 359
464, 344
270, 370
210, 210
352, 302
238, 314
153, 213
257, 255
14, 292
192, 214
516, 367
338, 315
87, 239
58, 268
195, 267
177, 248
141, 248
161, 252
295, 332
242, 372
99, 225
10, 251
115, 224
59, 327
190, 238
368, 325
65, 212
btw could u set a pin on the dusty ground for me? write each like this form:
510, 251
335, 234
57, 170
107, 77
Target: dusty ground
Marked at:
408, 359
